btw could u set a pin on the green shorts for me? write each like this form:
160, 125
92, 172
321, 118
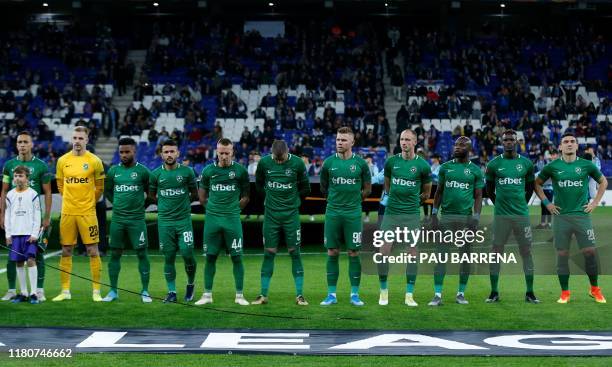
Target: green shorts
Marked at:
286, 223
504, 225
225, 232
175, 235
339, 230
134, 233
564, 226
453, 222
392, 222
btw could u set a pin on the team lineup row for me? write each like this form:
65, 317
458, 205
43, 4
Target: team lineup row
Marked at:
222, 188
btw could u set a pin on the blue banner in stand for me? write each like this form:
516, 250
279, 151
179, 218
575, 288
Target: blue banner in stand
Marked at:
34, 341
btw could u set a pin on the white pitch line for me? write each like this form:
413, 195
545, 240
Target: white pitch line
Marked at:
50, 254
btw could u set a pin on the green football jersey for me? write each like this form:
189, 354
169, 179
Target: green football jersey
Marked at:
225, 187
342, 180
39, 173
173, 190
459, 181
570, 183
125, 188
406, 177
510, 177
282, 183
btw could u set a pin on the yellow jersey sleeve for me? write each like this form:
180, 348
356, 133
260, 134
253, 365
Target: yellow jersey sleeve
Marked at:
98, 168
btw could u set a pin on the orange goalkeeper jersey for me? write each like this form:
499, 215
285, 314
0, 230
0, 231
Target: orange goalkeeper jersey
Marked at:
79, 174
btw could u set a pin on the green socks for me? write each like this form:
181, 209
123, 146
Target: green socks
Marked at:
144, 268
170, 270
333, 271
209, 272
190, 265
114, 267
267, 269
238, 273
355, 271
297, 269
563, 271
11, 274
40, 266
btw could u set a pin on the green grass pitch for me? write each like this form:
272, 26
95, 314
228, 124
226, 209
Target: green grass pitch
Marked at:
511, 314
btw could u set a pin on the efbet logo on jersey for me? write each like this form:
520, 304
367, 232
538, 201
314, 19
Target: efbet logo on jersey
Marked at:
510, 181
76, 180
127, 188
457, 185
222, 187
172, 192
570, 183
344, 181
403, 182
278, 185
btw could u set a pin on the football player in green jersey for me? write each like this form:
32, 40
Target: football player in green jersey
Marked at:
224, 192
126, 187
346, 181
510, 180
173, 187
459, 199
283, 179
40, 181
572, 211
408, 183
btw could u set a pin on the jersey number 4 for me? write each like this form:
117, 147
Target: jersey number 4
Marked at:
237, 244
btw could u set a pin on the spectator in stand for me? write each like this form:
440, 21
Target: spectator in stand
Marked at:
253, 164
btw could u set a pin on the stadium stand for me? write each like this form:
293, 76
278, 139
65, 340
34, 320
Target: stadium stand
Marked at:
195, 88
